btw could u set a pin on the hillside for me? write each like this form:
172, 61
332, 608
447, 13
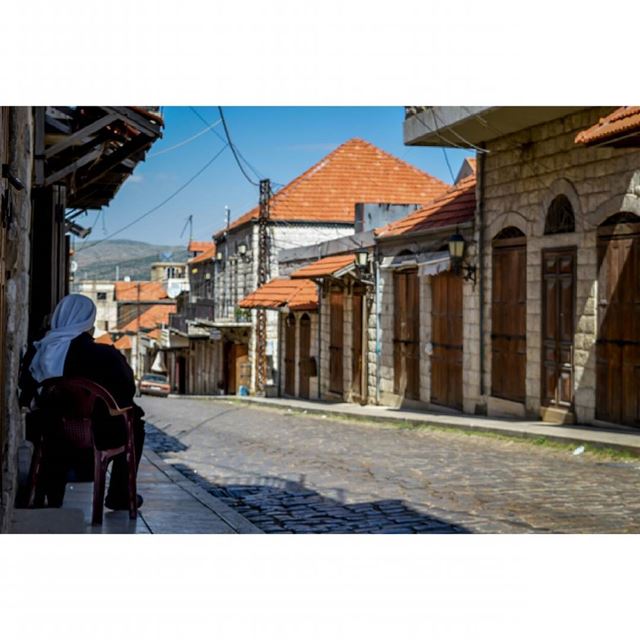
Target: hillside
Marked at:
133, 258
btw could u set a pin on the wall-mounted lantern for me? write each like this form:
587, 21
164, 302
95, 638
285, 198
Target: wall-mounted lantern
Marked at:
242, 249
362, 259
456, 255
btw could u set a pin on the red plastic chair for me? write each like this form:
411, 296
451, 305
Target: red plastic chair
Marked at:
70, 404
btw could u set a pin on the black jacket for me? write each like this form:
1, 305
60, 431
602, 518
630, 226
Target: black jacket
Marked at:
100, 363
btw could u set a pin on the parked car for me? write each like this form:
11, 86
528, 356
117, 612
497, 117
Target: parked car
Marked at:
154, 384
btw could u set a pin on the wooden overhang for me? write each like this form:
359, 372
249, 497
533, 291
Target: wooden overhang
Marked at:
329, 267
92, 150
295, 295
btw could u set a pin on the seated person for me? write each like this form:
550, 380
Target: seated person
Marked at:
68, 349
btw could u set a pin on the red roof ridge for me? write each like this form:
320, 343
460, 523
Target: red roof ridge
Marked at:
353, 143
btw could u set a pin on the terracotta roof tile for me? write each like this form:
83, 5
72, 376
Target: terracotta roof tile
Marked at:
298, 295
623, 122
149, 291
105, 338
151, 317
208, 254
123, 343
198, 246
155, 334
325, 267
357, 171
456, 206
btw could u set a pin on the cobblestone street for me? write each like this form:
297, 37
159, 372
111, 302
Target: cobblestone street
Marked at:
292, 473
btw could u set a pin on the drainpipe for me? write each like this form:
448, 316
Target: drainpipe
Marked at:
319, 359
378, 322
481, 176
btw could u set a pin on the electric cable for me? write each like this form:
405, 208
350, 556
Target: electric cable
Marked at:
235, 155
186, 141
161, 204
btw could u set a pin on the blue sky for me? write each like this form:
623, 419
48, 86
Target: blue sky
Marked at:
279, 142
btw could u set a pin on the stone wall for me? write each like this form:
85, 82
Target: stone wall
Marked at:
524, 172
17, 297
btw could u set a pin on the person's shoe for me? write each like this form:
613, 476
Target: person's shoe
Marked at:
121, 504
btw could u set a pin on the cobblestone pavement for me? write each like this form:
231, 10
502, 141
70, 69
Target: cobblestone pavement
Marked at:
293, 473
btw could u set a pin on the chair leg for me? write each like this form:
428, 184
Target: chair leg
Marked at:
131, 467
34, 474
99, 475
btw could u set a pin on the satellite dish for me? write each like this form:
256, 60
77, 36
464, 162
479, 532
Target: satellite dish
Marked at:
74, 266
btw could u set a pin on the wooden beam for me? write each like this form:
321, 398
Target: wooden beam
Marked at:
38, 117
80, 135
74, 166
110, 162
136, 120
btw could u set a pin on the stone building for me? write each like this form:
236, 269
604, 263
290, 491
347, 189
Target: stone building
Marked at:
319, 205
558, 258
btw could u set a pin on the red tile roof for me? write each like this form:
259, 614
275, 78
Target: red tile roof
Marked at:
105, 338
123, 343
325, 267
208, 254
155, 334
149, 291
150, 318
198, 246
622, 123
456, 206
298, 295
357, 171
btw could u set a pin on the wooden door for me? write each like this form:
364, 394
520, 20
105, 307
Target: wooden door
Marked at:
305, 356
242, 367
336, 328
558, 323
618, 345
406, 340
508, 319
446, 338
356, 347
290, 355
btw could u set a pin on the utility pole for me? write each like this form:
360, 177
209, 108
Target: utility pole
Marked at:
263, 277
138, 337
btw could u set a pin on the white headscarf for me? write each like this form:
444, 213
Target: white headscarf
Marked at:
74, 315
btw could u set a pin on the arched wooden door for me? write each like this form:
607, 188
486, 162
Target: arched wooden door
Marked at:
290, 355
305, 351
446, 338
509, 315
618, 345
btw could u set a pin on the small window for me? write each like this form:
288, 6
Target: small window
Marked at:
102, 295
560, 217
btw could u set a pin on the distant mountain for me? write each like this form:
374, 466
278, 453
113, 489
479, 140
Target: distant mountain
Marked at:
133, 258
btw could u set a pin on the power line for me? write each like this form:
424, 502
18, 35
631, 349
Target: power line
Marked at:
233, 150
446, 158
221, 138
161, 204
187, 140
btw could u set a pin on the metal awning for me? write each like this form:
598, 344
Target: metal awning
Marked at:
428, 263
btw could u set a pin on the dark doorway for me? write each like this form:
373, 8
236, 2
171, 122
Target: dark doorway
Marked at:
356, 346
305, 357
558, 325
618, 345
290, 355
336, 326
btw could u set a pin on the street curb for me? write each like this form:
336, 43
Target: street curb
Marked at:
544, 431
236, 521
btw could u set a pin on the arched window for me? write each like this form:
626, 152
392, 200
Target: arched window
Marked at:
560, 217
508, 233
